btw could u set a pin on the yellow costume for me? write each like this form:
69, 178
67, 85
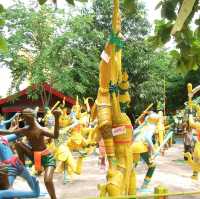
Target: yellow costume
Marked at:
78, 132
160, 132
62, 153
194, 159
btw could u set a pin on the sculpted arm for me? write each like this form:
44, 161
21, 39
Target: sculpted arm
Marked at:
55, 134
21, 131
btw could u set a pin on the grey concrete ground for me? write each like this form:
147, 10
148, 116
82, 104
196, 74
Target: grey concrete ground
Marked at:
171, 172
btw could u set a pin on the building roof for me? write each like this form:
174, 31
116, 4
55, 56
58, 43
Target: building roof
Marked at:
69, 100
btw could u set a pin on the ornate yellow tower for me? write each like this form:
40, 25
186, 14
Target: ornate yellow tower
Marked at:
114, 125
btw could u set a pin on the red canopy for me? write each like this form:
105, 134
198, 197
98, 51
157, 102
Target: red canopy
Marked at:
10, 104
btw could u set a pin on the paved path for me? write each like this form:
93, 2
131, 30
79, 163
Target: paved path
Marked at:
170, 172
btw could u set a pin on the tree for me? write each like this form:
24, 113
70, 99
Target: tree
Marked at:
178, 20
145, 67
30, 36
3, 45
45, 47
134, 24
129, 4
72, 2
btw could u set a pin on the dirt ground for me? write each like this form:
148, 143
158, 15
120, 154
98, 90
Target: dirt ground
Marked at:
171, 172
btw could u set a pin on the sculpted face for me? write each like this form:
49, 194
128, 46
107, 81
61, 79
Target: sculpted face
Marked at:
28, 114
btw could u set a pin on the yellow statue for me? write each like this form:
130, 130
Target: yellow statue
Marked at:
160, 132
60, 148
113, 123
194, 158
76, 125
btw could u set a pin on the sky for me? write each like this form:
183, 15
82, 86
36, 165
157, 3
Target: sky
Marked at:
5, 76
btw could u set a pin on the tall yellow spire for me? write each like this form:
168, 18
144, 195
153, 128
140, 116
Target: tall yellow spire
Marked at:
116, 20
116, 74
77, 101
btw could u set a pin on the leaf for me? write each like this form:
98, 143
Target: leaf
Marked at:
41, 2
83, 1
195, 67
3, 45
1, 8
175, 54
70, 2
168, 9
2, 22
130, 6
163, 30
158, 5
183, 14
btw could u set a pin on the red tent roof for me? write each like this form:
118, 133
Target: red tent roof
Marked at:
47, 88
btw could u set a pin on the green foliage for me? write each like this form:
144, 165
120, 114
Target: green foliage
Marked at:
187, 56
134, 25
30, 36
41, 2
3, 44
168, 10
44, 46
71, 2
162, 33
130, 6
1, 8
42, 52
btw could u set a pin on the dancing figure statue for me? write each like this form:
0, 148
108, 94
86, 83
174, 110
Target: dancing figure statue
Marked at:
143, 145
60, 149
73, 137
36, 150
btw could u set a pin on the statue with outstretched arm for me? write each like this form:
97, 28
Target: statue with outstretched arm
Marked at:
16, 168
143, 145
37, 150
